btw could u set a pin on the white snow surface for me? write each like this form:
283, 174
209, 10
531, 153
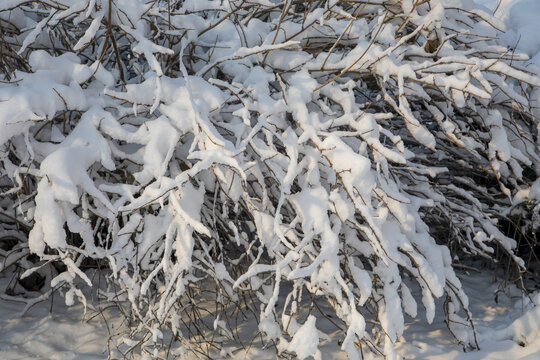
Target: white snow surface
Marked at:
507, 322
521, 18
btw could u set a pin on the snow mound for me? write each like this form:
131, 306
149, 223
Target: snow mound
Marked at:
522, 26
524, 330
305, 341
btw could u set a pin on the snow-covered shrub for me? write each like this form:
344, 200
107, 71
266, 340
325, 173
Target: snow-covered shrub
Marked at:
264, 154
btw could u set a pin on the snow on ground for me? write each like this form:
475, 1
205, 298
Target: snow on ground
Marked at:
60, 335
522, 20
507, 322
508, 326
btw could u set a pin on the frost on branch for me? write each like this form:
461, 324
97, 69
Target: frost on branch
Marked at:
263, 156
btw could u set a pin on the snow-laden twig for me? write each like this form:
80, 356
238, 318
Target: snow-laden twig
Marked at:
241, 153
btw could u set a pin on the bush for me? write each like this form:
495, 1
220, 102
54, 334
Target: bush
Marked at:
263, 156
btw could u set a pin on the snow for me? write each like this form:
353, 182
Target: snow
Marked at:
500, 318
305, 341
63, 334
522, 26
339, 223
508, 324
